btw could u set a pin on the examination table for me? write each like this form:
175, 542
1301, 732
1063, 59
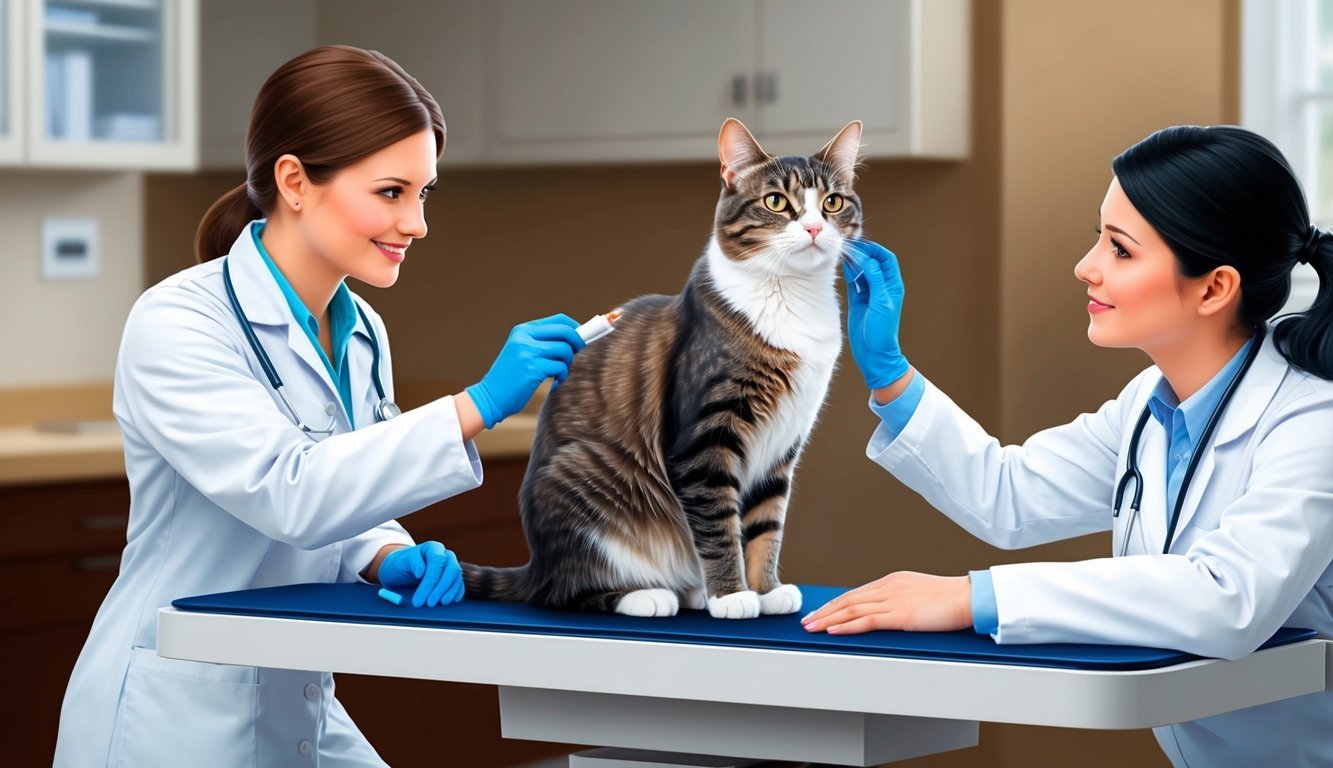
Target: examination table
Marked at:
692, 690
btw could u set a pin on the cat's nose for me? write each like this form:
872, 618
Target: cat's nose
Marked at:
814, 230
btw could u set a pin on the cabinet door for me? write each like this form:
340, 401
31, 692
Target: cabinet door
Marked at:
822, 65
241, 43
113, 83
11, 38
899, 66
439, 42
616, 80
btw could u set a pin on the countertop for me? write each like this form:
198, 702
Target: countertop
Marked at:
85, 444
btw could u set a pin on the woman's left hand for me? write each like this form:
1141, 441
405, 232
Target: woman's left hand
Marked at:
429, 567
916, 602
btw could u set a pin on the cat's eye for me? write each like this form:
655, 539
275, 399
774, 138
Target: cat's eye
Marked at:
775, 202
833, 204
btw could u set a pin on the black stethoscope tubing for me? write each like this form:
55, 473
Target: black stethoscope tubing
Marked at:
385, 409
1132, 461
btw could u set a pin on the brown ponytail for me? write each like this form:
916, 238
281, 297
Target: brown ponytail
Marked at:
223, 223
330, 107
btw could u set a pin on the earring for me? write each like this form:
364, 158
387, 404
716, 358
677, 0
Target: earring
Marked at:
297, 205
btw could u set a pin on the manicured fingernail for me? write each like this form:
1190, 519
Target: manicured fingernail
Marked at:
833, 630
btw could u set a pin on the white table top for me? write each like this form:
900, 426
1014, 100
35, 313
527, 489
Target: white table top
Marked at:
796, 679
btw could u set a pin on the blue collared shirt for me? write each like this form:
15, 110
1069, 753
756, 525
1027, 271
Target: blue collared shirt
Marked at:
1184, 422
342, 320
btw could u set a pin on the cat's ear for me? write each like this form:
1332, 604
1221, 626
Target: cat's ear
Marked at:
737, 150
841, 151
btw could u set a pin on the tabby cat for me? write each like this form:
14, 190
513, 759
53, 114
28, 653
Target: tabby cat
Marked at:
662, 466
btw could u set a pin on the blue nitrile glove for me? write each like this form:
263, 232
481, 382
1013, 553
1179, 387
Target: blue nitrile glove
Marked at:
429, 567
534, 352
874, 309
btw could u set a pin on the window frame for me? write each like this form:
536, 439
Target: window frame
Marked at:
1278, 93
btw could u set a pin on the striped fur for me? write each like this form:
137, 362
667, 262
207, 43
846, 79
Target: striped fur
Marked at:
662, 467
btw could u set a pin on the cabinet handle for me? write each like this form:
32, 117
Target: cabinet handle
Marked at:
98, 563
766, 87
104, 522
739, 88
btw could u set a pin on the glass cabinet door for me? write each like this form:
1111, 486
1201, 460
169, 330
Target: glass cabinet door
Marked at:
117, 77
11, 145
103, 70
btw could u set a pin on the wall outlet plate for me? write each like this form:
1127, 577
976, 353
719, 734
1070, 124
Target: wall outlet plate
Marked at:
69, 248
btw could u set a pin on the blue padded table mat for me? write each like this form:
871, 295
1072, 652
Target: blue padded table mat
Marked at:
360, 603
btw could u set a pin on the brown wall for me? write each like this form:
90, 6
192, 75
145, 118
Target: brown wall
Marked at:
993, 314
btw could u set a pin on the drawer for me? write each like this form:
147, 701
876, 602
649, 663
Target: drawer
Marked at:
51, 591
63, 518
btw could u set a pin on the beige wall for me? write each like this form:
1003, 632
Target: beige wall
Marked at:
1081, 82
993, 314
67, 332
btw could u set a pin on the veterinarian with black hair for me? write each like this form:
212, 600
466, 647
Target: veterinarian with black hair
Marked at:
1213, 468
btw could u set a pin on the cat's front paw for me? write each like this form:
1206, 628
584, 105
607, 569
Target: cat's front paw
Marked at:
783, 599
737, 605
649, 602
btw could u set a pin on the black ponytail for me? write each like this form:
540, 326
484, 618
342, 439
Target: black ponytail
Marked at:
1304, 337
1225, 196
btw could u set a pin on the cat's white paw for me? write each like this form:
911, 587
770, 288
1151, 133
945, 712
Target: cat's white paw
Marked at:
737, 605
783, 599
649, 602
695, 600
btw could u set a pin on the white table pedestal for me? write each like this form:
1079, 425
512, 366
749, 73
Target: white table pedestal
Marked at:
719, 728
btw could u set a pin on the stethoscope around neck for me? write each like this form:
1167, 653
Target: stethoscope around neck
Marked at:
385, 409
1132, 472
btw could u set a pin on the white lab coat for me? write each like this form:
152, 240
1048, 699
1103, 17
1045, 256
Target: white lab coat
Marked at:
227, 494
1252, 550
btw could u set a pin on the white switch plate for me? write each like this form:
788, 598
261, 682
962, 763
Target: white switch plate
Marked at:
69, 248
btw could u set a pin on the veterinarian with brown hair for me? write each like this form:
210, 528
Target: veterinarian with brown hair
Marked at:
254, 393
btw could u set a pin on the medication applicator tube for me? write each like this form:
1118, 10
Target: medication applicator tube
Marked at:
598, 327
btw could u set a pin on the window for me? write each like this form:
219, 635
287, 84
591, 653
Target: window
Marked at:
1287, 95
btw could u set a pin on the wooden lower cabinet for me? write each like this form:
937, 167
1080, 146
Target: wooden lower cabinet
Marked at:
60, 547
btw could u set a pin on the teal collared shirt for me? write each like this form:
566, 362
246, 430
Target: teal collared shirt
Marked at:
342, 320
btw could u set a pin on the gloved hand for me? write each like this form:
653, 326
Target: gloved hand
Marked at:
534, 352
874, 312
429, 567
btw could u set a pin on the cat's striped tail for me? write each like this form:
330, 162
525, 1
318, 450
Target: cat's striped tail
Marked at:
487, 583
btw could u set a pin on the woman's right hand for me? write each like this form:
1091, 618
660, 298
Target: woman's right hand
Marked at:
874, 310
534, 352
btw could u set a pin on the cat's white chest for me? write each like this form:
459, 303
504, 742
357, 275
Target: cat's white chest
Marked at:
791, 421
803, 316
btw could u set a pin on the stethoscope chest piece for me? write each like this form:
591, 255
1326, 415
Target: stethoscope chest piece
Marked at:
387, 409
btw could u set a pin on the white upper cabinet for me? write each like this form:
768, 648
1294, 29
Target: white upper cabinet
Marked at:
11, 127
241, 43
618, 80
441, 43
111, 83
902, 67
642, 80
